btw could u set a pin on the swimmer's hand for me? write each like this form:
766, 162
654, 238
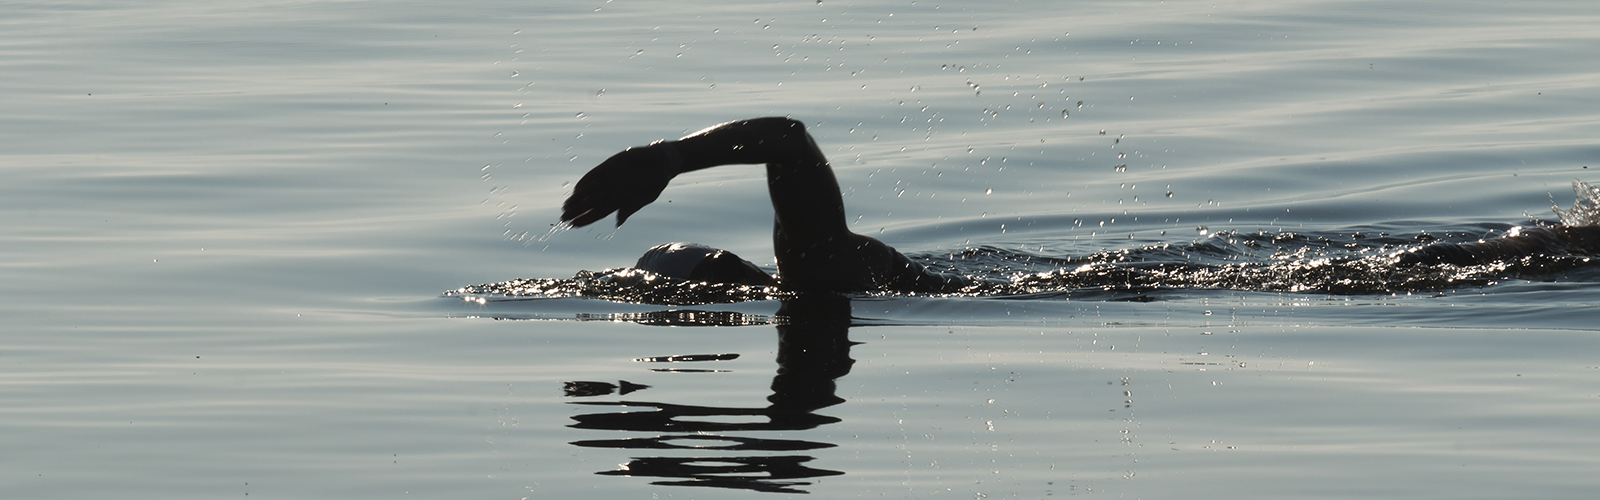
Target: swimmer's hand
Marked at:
624, 183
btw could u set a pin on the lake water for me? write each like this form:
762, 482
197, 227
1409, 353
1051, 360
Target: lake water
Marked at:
231, 230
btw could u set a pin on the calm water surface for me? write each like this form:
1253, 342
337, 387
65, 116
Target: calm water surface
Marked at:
229, 229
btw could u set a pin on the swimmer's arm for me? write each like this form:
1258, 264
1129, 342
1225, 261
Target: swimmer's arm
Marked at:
753, 141
624, 183
805, 194
813, 245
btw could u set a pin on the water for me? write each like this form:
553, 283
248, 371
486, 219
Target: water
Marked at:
230, 228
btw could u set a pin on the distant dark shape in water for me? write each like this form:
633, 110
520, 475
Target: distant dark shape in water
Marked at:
815, 251
1518, 243
588, 389
1578, 234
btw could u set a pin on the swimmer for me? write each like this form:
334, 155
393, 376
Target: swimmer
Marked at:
815, 250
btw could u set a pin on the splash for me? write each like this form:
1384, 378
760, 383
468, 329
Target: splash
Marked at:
556, 228
1585, 210
1334, 263
1323, 263
619, 285
1363, 261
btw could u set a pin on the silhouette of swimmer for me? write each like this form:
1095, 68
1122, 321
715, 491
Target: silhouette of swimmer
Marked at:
817, 252
815, 249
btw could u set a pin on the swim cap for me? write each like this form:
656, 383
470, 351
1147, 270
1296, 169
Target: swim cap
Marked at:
675, 260
696, 262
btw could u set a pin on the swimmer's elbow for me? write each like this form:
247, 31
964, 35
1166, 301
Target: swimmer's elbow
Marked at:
777, 122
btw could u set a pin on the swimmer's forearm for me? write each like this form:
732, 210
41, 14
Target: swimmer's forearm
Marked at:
755, 141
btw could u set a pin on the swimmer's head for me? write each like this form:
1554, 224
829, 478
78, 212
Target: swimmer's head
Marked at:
696, 262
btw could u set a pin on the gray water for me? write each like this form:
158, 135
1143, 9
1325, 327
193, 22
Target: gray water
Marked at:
229, 230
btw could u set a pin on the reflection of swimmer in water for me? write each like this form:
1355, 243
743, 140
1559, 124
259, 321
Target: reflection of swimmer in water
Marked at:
815, 250
813, 352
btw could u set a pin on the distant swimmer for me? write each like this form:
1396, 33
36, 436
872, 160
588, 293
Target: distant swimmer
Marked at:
815, 249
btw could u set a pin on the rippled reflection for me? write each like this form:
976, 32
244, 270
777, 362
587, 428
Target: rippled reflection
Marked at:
813, 351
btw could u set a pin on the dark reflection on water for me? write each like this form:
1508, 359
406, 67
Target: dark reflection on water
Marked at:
813, 351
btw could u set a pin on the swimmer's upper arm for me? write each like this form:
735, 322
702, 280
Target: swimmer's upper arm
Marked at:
804, 192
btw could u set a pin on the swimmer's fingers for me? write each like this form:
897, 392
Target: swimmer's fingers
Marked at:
583, 208
583, 217
628, 208
590, 202
623, 184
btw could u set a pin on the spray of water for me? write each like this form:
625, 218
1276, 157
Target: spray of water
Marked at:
1585, 210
